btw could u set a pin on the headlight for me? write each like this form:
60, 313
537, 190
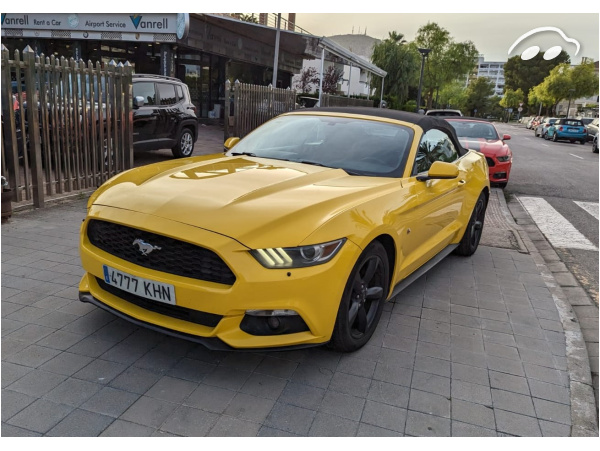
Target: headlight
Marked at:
504, 158
297, 257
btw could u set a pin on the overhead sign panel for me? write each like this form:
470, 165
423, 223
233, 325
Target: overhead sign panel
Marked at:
135, 24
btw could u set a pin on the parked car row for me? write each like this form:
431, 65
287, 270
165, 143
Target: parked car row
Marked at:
564, 129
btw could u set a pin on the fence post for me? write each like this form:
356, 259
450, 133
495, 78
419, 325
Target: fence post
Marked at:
227, 108
10, 132
236, 108
128, 103
34, 128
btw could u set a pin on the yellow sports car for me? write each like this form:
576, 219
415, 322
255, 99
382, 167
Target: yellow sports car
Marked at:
296, 236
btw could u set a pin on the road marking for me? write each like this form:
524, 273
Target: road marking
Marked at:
576, 156
545, 145
590, 207
560, 232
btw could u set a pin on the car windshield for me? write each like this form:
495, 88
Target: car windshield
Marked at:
358, 146
472, 129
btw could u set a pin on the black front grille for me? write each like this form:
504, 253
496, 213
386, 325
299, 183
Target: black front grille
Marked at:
490, 162
174, 311
173, 257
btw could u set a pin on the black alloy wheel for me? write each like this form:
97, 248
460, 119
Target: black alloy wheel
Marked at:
362, 301
470, 240
185, 144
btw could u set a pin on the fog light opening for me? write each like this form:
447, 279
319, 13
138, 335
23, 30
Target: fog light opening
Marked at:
273, 322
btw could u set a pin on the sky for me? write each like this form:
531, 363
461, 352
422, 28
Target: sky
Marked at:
492, 34
492, 26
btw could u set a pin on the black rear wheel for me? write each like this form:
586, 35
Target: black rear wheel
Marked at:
362, 301
470, 240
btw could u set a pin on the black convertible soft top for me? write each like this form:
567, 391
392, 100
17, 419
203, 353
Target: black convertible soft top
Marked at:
425, 122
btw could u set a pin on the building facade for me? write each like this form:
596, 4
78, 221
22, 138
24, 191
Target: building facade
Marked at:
203, 50
493, 70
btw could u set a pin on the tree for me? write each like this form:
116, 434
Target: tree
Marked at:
478, 95
248, 18
565, 82
401, 63
525, 74
308, 77
512, 99
453, 95
331, 78
447, 61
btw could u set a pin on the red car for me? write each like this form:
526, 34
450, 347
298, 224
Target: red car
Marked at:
481, 135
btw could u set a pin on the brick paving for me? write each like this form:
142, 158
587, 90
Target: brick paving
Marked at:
476, 347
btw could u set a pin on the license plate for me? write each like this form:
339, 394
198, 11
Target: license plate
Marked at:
574, 130
146, 288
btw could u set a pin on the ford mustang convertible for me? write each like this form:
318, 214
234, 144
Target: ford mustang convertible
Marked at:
296, 236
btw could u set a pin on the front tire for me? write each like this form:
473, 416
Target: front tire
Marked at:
362, 301
185, 144
470, 240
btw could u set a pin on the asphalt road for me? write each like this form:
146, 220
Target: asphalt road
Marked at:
565, 175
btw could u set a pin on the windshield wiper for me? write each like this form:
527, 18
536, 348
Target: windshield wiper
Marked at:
248, 154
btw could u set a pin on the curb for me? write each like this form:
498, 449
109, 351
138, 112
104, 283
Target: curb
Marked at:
584, 417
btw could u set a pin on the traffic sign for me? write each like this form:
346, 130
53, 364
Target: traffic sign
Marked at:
519, 109
520, 103
510, 110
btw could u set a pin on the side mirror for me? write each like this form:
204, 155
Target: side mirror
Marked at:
231, 142
439, 170
138, 101
505, 137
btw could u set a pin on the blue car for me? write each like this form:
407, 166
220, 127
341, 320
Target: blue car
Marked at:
567, 129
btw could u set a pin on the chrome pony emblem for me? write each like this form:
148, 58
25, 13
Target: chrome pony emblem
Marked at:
144, 248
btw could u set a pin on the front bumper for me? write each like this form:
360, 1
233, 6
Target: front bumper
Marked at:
500, 172
314, 292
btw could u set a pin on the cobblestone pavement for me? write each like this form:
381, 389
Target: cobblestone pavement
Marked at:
480, 346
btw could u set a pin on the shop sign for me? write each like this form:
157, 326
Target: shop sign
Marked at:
172, 23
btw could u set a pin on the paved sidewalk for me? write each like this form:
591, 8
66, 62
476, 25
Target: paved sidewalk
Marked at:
477, 347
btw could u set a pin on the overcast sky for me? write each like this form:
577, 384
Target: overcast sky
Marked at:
492, 34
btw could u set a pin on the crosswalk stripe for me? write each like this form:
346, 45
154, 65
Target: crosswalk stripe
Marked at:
590, 207
560, 232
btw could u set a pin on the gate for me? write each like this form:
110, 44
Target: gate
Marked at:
254, 105
66, 125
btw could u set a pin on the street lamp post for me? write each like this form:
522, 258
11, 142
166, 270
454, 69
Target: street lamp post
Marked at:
571, 91
424, 53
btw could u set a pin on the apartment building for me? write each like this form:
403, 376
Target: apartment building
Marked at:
494, 70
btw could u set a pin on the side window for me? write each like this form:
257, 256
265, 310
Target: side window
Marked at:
435, 146
145, 90
179, 92
166, 94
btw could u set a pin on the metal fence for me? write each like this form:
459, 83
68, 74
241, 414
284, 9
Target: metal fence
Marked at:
249, 106
66, 124
254, 105
332, 100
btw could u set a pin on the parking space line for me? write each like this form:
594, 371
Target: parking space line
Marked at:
590, 207
576, 156
558, 230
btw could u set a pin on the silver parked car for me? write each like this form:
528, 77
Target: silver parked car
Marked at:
541, 130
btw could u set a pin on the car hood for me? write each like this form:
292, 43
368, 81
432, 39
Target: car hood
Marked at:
488, 147
257, 201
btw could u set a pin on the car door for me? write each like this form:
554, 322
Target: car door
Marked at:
433, 223
145, 117
166, 127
